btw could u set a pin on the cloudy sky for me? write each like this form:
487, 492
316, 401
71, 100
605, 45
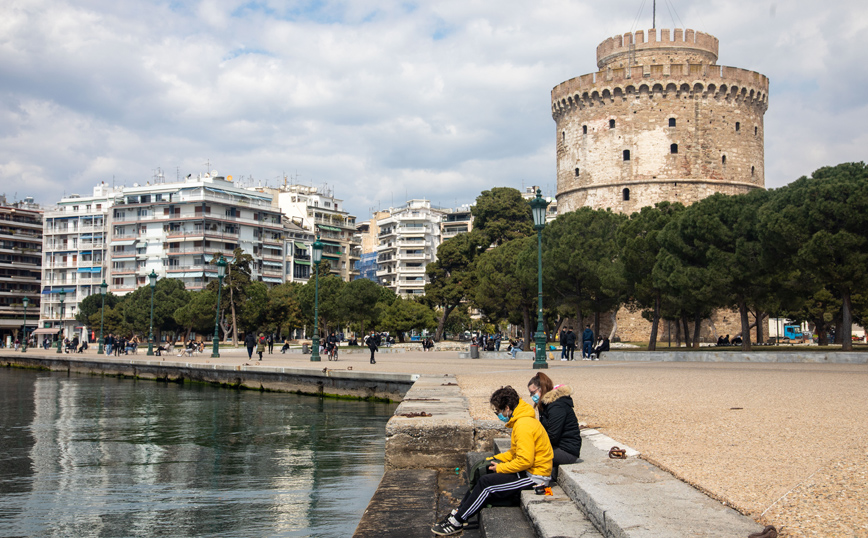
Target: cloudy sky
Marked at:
380, 100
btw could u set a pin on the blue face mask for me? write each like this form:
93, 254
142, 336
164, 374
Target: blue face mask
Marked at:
502, 418
535, 398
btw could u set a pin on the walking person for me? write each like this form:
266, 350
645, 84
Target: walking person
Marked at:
250, 342
109, 342
260, 346
571, 344
372, 345
587, 342
270, 343
563, 340
527, 463
558, 417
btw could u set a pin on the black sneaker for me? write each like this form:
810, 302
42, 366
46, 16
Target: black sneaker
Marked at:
448, 527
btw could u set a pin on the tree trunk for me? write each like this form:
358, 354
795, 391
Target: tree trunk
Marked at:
580, 321
677, 332
528, 334
686, 325
655, 323
614, 325
745, 325
232, 306
596, 326
442, 323
697, 327
760, 336
846, 329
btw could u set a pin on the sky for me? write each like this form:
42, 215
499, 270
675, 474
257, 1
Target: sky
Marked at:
379, 101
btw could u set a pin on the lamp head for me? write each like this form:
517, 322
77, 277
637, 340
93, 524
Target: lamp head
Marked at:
317, 250
103, 288
62, 294
221, 267
153, 278
26, 302
538, 207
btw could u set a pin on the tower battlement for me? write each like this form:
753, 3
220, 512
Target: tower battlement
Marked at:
630, 48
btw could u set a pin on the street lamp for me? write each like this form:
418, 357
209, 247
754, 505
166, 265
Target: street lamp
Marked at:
538, 207
26, 302
317, 257
102, 291
221, 272
153, 278
60, 336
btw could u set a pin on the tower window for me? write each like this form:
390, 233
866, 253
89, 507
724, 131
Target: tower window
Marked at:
625, 195
584, 129
672, 122
563, 136
752, 170
723, 160
577, 172
754, 131
611, 124
737, 126
673, 148
627, 155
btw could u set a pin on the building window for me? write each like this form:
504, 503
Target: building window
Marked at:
672, 122
625, 195
577, 172
584, 129
737, 126
673, 148
723, 160
627, 155
563, 136
754, 131
752, 171
611, 124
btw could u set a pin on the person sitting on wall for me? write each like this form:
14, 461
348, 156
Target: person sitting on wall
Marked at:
519, 346
527, 463
602, 345
285, 347
736, 341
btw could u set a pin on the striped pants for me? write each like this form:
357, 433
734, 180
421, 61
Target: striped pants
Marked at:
491, 487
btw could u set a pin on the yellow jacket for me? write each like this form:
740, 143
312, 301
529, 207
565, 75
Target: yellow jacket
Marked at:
531, 450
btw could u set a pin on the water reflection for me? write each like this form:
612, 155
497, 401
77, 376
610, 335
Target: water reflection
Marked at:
88, 456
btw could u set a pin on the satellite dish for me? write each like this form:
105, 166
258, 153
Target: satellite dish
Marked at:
228, 178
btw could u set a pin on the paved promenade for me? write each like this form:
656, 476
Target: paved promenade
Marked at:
786, 444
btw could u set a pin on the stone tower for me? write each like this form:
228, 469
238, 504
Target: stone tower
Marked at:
659, 121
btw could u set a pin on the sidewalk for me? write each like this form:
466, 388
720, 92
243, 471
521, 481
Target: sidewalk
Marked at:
783, 441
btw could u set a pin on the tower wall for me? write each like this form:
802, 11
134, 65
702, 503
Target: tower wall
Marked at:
717, 132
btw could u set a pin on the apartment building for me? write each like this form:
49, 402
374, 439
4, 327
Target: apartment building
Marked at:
456, 221
20, 267
322, 213
297, 250
408, 241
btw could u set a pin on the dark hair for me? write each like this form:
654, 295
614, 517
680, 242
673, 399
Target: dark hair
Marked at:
504, 397
542, 381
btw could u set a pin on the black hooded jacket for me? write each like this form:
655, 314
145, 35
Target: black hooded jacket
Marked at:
559, 419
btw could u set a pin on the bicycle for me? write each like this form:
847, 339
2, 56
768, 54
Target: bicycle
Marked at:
332, 352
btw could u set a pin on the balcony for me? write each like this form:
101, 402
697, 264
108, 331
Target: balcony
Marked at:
413, 270
413, 244
411, 283
405, 256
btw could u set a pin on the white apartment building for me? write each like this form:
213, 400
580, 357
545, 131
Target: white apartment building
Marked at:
320, 212
456, 221
408, 241
174, 229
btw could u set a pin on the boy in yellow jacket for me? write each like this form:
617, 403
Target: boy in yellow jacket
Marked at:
528, 462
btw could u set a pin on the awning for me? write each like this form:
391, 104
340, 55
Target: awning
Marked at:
188, 274
123, 242
83, 252
332, 256
302, 246
46, 331
329, 228
87, 236
84, 269
124, 256
273, 264
302, 262
272, 280
333, 242
46, 291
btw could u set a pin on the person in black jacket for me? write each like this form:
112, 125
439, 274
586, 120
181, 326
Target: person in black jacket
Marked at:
372, 345
250, 342
558, 417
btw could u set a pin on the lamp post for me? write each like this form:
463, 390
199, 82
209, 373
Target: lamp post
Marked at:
153, 278
538, 207
221, 272
26, 302
60, 336
317, 257
102, 291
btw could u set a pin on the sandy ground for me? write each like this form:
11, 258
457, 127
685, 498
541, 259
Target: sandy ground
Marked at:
786, 444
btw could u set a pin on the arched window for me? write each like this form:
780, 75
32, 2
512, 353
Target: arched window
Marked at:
626, 154
577, 172
584, 129
737, 126
625, 195
723, 160
672, 122
673, 148
563, 136
611, 124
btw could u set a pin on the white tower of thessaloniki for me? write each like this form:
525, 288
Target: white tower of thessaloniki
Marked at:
659, 121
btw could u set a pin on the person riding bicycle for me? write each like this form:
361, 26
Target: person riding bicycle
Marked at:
332, 345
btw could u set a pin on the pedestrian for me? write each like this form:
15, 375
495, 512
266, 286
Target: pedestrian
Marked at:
558, 417
250, 342
563, 340
587, 342
372, 345
497, 338
260, 346
527, 463
270, 343
109, 341
571, 344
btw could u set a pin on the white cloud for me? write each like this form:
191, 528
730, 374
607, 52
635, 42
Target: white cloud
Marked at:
382, 100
